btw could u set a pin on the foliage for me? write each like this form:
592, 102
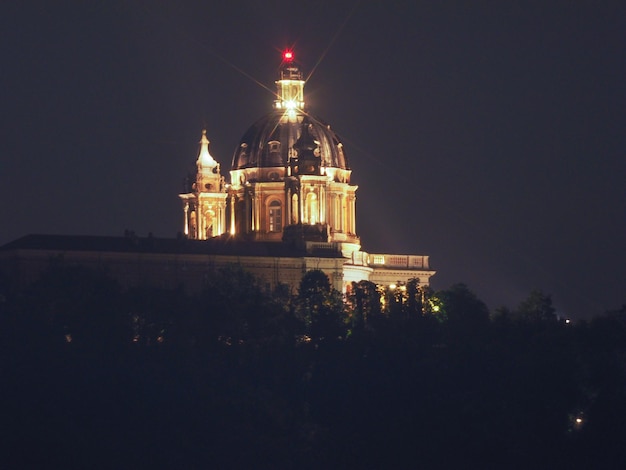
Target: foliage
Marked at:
461, 308
155, 314
320, 307
364, 306
74, 304
228, 384
536, 307
234, 309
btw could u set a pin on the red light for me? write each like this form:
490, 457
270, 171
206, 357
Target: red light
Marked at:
288, 56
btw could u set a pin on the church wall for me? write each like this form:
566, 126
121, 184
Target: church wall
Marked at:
169, 271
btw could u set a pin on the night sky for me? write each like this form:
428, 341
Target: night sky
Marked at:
491, 137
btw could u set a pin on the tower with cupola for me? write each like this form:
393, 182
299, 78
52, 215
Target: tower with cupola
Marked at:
204, 203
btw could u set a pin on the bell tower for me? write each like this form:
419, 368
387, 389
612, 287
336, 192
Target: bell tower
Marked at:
204, 205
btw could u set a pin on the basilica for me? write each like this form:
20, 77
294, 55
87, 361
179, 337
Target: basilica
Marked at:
290, 183
287, 206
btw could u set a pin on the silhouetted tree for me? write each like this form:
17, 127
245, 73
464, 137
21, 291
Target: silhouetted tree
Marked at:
320, 307
414, 294
462, 310
429, 301
536, 307
233, 308
501, 392
364, 303
395, 303
156, 315
75, 304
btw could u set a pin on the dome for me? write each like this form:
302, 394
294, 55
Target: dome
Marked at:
270, 142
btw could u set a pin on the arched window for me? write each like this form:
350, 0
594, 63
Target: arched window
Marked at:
209, 217
311, 210
275, 216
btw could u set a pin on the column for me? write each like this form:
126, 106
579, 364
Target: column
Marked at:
232, 215
186, 223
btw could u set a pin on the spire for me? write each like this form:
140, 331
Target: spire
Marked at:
205, 160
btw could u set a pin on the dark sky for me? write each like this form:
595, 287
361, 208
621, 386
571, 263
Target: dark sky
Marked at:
490, 136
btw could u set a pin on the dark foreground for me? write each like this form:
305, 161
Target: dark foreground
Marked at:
97, 378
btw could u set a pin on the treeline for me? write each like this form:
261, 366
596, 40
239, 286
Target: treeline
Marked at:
94, 375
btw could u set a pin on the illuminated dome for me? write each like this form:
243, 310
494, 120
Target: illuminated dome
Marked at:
289, 140
272, 140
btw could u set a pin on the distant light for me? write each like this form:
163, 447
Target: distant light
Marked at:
567, 321
288, 56
578, 423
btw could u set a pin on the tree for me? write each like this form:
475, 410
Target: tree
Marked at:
364, 302
414, 300
320, 307
155, 313
394, 302
536, 307
76, 304
233, 308
461, 308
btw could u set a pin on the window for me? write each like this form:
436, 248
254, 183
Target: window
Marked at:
311, 210
275, 216
274, 146
295, 209
274, 156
